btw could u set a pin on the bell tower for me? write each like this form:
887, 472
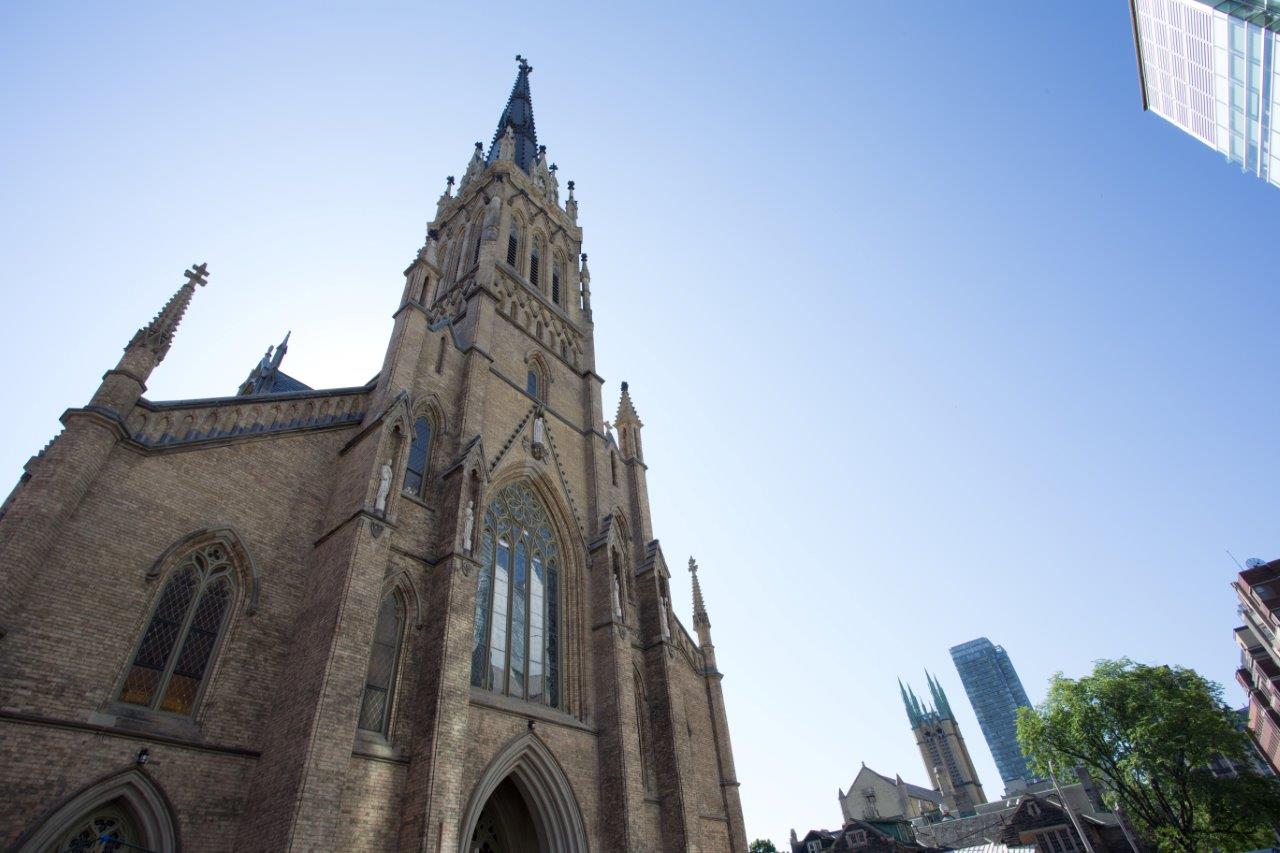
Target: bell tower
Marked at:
942, 748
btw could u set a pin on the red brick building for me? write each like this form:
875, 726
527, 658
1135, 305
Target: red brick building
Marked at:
1258, 588
425, 614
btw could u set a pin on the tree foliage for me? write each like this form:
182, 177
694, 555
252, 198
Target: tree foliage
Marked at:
761, 845
1148, 734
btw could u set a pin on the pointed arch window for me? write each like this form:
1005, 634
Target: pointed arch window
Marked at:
555, 281
516, 645
535, 261
379, 679
475, 245
513, 245
531, 383
173, 656
415, 470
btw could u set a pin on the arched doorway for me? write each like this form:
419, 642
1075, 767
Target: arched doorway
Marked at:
523, 803
127, 807
506, 825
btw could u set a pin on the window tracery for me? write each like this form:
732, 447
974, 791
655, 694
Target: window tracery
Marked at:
415, 470
186, 625
384, 656
516, 645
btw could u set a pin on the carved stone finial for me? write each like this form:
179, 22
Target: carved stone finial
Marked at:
571, 188
524, 64
479, 147
553, 168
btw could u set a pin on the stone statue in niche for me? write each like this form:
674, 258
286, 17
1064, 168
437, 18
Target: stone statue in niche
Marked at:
492, 212
662, 619
468, 526
617, 599
384, 488
507, 145
539, 437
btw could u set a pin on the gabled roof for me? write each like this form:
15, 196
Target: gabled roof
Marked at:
917, 791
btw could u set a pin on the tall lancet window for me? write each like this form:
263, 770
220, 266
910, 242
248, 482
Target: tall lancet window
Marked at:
516, 646
175, 651
513, 245
415, 470
379, 679
555, 281
535, 261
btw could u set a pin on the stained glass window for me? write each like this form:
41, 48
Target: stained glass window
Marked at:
415, 471
379, 681
515, 648
177, 646
531, 383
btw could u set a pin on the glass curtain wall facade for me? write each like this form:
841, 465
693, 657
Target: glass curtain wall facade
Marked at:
1208, 67
996, 694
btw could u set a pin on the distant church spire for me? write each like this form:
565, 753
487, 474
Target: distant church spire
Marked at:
518, 115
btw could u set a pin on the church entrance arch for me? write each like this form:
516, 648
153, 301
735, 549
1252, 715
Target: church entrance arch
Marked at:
123, 812
523, 803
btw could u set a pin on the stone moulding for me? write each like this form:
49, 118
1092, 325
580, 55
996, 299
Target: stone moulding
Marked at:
184, 422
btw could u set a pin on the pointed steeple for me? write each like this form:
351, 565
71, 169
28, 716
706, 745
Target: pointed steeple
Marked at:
699, 606
939, 698
518, 115
906, 703
121, 387
626, 409
157, 335
628, 424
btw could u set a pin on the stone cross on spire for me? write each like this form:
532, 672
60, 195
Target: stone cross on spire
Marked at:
699, 606
157, 335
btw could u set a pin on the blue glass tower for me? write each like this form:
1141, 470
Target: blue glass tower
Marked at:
996, 694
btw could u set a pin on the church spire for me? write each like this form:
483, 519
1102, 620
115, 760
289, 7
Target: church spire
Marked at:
122, 386
699, 606
518, 116
157, 335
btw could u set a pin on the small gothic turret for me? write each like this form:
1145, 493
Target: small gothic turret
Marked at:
628, 424
122, 387
584, 275
701, 622
267, 377
571, 208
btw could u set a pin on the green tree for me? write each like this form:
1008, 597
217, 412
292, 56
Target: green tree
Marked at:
761, 845
1148, 734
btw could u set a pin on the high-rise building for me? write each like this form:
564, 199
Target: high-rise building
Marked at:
942, 749
1258, 588
1209, 67
425, 613
996, 694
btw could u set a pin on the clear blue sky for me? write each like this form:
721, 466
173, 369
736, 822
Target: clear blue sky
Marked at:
934, 332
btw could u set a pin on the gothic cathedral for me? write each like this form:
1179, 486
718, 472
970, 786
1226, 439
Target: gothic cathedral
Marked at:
423, 614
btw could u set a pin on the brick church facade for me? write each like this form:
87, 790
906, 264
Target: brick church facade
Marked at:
424, 614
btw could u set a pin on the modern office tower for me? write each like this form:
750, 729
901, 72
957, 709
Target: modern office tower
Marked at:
996, 694
942, 748
1208, 67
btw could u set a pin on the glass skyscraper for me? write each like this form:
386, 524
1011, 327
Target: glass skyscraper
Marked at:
1209, 67
996, 694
